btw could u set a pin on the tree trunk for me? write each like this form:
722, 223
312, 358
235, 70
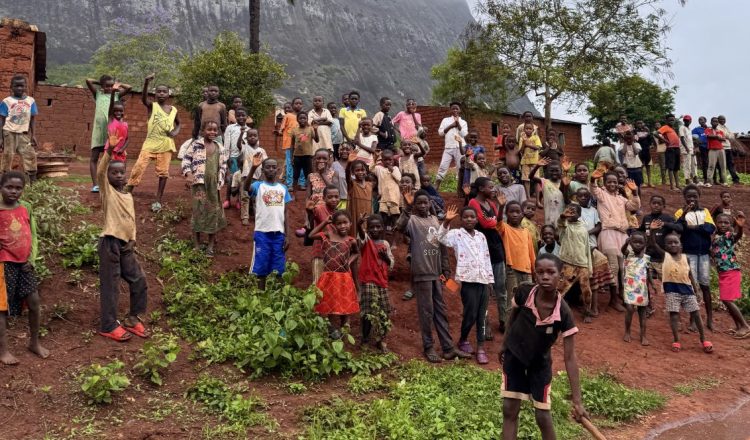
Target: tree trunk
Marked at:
547, 113
254, 9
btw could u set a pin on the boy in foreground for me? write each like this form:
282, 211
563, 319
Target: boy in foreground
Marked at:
17, 114
538, 316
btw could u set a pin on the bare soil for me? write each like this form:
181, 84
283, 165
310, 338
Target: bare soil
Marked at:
38, 398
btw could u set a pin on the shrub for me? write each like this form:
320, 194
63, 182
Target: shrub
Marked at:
364, 383
156, 356
80, 247
229, 403
98, 382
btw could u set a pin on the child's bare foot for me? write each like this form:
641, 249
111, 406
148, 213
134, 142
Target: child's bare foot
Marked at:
692, 328
617, 306
38, 350
626, 338
588, 319
644, 341
8, 359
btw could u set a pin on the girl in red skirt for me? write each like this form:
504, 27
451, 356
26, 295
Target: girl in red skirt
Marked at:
727, 265
337, 281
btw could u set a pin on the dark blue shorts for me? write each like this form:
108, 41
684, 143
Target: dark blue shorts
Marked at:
523, 382
268, 253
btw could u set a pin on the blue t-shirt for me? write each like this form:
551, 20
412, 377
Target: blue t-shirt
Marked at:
702, 141
270, 205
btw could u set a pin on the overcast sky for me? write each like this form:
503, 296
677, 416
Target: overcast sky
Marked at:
711, 66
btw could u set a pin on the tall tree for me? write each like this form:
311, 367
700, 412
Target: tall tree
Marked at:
254, 8
633, 96
562, 49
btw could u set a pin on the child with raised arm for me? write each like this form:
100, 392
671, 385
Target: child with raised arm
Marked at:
117, 255
429, 260
411, 152
553, 194
473, 270
18, 251
249, 150
163, 126
678, 287
303, 137
365, 143
724, 255
656, 258
519, 246
529, 152
117, 130
337, 280
514, 192
205, 167
601, 276
101, 117
382, 126
235, 139
576, 256
271, 228
17, 120
539, 315
376, 261
322, 176
409, 122
636, 277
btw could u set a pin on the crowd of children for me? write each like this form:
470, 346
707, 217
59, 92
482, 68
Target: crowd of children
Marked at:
366, 190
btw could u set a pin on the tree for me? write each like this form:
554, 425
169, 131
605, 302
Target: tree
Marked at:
633, 96
252, 76
136, 50
562, 49
472, 75
254, 9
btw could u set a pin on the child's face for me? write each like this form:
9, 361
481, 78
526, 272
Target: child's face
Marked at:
511, 142
406, 184
488, 190
118, 111
241, 117
359, 172
469, 219
342, 225
287, 107
723, 224
480, 159
411, 106
19, 87
528, 118
332, 198
422, 206
210, 132
366, 125
385, 107
116, 174
555, 172
513, 212
657, 206
455, 111
472, 138
318, 102
548, 236
672, 244
374, 227
161, 93
344, 151
270, 169
637, 243
691, 198
582, 173
628, 137
387, 159
321, 161
302, 119
424, 181
506, 130
714, 123
213, 94
107, 86
528, 130
726, 199
297, 105
345, 100
529, 210
583, 196
334, 112
237, 102
204, 93
12, 190
610, 182
622, 175
406, 148
353, 100
252, 137
547, 274
504, 176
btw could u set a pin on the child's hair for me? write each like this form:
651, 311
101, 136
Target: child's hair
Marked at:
729, 217
338, 214
354, 93
482, 181
370, 119
657, 196
385, 152
724, 191
545, 227
322, 150
528, 124
691, 187
675, 233
18, 77
468, 208
527, 112
611, 173
553, 258
5, 177
105, 78
411, 176
329, 188
374, 218
384, 99
240, 109
205, 125
296, 98
579, 164
454, 103
513, 203
420, 193
638, 233
528, 202
356, 163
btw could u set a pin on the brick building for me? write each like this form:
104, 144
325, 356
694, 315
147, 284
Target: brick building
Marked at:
23, 50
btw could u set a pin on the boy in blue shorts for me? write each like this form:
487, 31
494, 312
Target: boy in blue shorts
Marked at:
269, 238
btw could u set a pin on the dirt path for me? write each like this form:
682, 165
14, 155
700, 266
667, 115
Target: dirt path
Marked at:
28, 411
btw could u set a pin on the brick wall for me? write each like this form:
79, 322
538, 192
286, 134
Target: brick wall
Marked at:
16, 56
432, 116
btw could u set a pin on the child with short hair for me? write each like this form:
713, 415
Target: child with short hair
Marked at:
678, 287
205, 167
527, 222
500, 145
303, 137
18, 252
519, 246
409, 122
604, 159
271, 227
512, 157
553, 194
163, 126
288, 124
337, 136
117, 129
580, 179
473, 270
323, 118
477, 167
513, 191
630, 158
117, 255
382, 126
376, 261
435, 198
549, 244
236, 102
656, 258
337, 282
601, 276
425, 147
530, 146
340, 166
101, 118
724, 255
235, 139
538, 316
551, 150
635, 282
353, 116
250, 153
411, 152
17, 120
210, 110
576, 256
724, 206
697, 228
429, 260
366, 143
359, 190
388, 177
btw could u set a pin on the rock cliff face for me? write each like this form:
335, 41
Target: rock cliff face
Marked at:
381, 48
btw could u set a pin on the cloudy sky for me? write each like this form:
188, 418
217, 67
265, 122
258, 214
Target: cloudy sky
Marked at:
711, 66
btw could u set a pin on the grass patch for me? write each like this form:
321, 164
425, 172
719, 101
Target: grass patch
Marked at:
697, 384
72, 178
462, 401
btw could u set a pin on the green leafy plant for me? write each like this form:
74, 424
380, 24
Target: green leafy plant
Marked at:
697, 384
157, 354
80, 247
241, 412
99, 382
296, 388
363, 384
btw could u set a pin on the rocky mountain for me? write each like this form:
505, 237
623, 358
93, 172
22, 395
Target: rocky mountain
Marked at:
380, 48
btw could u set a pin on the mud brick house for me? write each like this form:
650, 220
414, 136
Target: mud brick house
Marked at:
23, 50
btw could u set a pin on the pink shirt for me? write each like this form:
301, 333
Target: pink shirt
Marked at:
117, 134
613, 208
406, 124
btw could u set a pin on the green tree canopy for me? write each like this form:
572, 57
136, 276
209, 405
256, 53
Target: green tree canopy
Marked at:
562, 49
633, 96
236, 71
471, 75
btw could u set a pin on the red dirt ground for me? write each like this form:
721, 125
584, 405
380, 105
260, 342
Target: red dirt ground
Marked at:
28, 410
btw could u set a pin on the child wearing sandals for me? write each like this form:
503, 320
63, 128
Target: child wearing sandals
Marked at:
377, 261
473, 270
636, 277
337, 281
678, 284
730, 277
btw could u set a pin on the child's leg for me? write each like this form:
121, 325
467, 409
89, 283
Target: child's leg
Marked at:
696, 318
138, 169
289, 168
511, 408
469, 300
160, 190
642, 322
94, 161
482, 299
5, 356
707, 301
544, 422
196, 240
648, 175
674, 324
33, 302
211, 243
628, 321
501, 295
739, 321
132, 273
366, 329
584, 281
109, 282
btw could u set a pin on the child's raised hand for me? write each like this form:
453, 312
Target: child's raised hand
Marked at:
362, 218
543, 162
501, 199
467, 189
309, 205
568, 212
565, 180
257, 159
151, 76
566, 164
451, 213
739, 218
408, 197
630, 183
597, 174
656, 224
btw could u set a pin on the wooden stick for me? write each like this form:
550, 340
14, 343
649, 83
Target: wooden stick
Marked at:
592, 429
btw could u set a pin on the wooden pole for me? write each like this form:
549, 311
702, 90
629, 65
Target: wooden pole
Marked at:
592, 429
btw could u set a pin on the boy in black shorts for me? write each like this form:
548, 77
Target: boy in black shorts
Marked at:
538, 316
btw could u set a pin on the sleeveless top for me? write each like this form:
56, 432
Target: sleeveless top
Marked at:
159, 124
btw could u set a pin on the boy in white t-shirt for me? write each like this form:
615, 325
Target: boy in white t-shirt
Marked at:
17, 114
366, 143
250, 149
270, 236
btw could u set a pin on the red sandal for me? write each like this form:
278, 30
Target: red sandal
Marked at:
708, 347
138, 329
676, 347
119, 334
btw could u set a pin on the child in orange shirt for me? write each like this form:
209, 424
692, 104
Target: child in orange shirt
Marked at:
287, 125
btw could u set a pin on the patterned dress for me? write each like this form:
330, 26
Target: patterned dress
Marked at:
317, 185
336, 282
208, 215
635, 277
